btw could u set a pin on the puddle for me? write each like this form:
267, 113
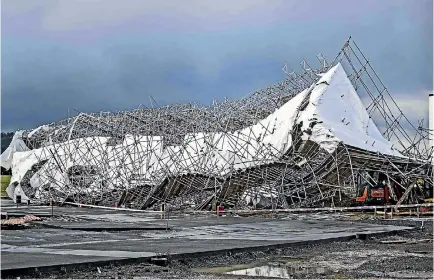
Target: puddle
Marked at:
278, 271
282, 268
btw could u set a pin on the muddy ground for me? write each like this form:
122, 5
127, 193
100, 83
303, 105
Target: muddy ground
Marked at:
338, 260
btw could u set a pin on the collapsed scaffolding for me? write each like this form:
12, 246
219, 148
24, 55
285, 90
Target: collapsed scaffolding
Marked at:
271, 149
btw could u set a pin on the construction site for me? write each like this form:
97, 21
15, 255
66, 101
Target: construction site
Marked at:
321, 175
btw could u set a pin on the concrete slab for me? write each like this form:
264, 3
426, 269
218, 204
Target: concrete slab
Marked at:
20, 260
103, 226
52, 248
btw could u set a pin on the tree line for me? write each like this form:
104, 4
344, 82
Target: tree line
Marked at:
6, 138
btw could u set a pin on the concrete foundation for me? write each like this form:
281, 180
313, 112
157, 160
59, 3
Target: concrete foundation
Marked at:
24, 251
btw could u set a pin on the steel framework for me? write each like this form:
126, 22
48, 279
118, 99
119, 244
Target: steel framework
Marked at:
172, 154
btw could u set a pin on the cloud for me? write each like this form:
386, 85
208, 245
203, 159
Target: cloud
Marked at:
85, 14
414, 108
11, 8
64, 16
108, 55
414, 105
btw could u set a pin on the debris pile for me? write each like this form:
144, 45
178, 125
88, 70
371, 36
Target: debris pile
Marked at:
306, 141
17, 223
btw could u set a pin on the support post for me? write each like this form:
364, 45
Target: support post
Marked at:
167, 220
431, 126
52, 207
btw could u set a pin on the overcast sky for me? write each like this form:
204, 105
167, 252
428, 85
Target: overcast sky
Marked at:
93, 55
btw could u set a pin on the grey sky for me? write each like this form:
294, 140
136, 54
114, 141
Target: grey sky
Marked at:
110, 55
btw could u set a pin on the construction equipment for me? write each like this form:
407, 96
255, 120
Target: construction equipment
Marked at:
374, 190
372, 194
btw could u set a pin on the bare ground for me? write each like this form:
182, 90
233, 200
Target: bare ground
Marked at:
338, 260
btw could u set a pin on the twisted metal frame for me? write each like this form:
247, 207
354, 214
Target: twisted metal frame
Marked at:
306, 175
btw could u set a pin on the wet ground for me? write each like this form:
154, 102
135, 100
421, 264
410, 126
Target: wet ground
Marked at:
363, 259
371, 258
215, 247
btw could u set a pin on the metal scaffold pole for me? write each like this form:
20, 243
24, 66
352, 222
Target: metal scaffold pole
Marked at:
226, 154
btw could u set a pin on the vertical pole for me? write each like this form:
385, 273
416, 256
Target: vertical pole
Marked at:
431, 126
167, 220
52, 207
431, 118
